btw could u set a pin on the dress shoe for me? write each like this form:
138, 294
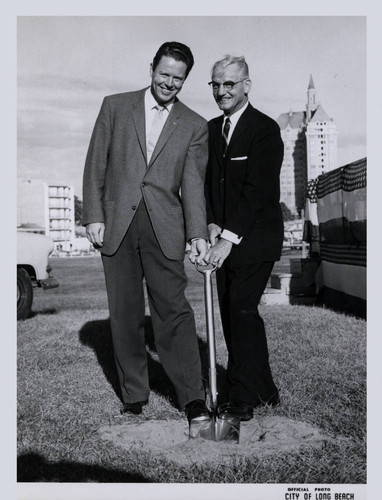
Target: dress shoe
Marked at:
238, 409
135, 408
243, 410
196, 409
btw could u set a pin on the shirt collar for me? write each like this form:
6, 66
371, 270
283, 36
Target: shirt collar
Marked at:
150, 101
234, 118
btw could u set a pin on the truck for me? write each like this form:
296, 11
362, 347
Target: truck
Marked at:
33, 269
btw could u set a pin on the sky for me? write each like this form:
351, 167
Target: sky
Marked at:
67, 64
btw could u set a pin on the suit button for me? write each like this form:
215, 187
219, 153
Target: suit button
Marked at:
134, 207
143, 184
222, 180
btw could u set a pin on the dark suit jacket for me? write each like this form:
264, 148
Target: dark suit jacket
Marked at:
243, 188
116, 174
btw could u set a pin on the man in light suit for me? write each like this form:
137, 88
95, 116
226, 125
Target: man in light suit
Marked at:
245, 228
143, 196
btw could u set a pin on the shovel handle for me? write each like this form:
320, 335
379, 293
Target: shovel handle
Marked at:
206, 269
208, 300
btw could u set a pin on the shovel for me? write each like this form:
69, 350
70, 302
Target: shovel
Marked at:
227, 427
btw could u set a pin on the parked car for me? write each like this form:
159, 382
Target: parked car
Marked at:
33, 270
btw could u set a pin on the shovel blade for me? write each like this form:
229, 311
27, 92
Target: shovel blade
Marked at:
217, 429
227, 429
198, 426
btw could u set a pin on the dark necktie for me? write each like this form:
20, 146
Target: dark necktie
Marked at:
226, 128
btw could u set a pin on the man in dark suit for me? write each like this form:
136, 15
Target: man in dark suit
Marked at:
245, 230
143, 196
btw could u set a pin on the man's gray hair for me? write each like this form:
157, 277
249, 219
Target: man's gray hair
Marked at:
228, 60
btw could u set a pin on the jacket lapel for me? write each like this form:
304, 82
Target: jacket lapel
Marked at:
139, 121
241, 125
167, 131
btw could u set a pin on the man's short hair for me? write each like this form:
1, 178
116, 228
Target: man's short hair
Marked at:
228, 60
177, 51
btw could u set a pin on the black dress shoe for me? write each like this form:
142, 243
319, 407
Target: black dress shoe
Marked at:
196, 409
135, 408
244, 411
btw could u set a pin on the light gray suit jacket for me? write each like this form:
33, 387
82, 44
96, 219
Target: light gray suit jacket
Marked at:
117, 176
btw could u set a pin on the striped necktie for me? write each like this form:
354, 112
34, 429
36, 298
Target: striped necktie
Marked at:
227, 125
156, 129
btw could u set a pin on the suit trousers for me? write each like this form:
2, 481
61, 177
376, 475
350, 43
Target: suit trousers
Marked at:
140, 256
249, 377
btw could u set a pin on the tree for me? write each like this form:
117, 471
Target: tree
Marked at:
78, 211
287, 214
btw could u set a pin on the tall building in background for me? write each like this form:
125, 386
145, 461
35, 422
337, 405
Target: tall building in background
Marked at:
47, 209
61, 215
310, 141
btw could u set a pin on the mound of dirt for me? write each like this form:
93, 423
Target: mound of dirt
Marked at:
258, 437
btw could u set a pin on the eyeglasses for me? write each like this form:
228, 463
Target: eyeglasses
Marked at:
215, 86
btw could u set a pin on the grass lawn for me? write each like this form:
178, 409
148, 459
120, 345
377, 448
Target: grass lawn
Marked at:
67, 389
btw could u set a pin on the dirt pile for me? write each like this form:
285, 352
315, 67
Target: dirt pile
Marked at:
258, 437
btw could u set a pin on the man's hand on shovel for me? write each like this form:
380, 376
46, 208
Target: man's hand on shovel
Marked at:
219, 252
198, 251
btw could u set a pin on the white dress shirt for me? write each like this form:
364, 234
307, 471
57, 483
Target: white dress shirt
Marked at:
150, 111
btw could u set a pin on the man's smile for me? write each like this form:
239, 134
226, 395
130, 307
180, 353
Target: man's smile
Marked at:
223, 100
166, 91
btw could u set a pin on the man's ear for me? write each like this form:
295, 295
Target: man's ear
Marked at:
247, 86
151, 69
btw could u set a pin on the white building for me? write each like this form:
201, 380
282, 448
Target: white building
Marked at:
50, 206
310, 141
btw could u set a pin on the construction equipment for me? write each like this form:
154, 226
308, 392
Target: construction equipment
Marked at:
217, 428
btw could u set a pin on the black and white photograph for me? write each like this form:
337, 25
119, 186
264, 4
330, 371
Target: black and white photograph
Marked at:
191, 208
